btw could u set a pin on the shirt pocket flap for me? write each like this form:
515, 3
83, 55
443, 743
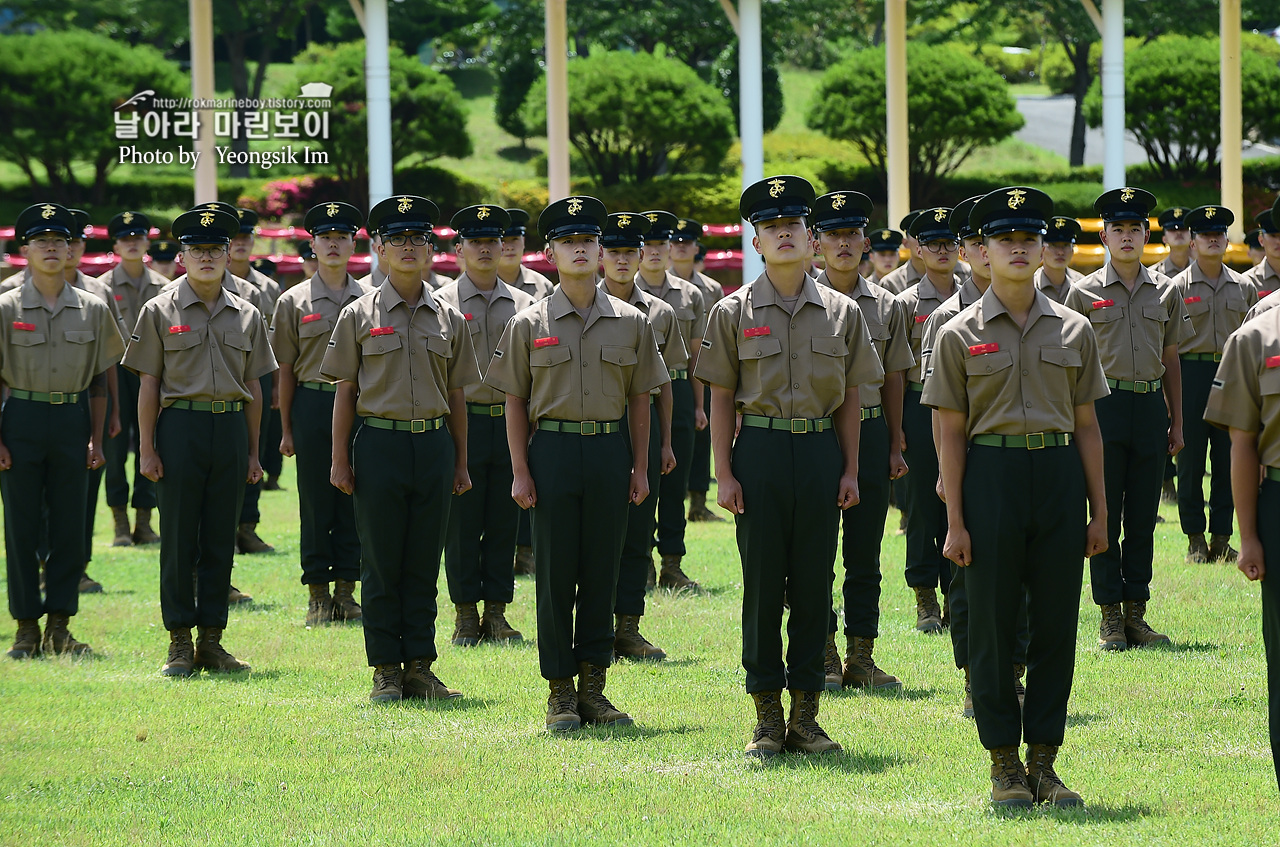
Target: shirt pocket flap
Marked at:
311, 329
238, 340
182, 340
686, 315
1269, 381
1067, 357
1105, 314
830, 345
1235, 301
27, 339
440, 345
79, 336
988, 363
1199, 307
548, 356
878, 331
759, 348
1155, 313
618, 355
376, 345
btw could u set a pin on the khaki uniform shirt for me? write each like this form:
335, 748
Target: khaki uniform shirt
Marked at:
917, 303
238, 286
486, 320
887, 328
575, 370
1266, 304
662, 318
686, 299
197, 353
90, 284
58, 349
533, 283
1246, 391
968, 294
1057, 293
1168, 268
1264, 279
785, 365
901, 278
1217, 307
1010, 380
433, 280
404, 359
712, 291
269, 292
304, 318
130, 295
1132, 328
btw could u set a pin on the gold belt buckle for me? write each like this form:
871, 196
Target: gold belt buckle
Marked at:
583, 428
1141, 386
217, 406
418, 425
57, 398
1032, 435
802, 423
496, 410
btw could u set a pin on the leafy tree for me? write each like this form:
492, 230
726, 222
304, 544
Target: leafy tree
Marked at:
724, 74
411, 24
517, 38
1172, 106
955, 105
633, 116
57, 90
428, 117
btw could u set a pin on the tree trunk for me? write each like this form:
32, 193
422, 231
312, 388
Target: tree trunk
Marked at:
240, 90
1083, 78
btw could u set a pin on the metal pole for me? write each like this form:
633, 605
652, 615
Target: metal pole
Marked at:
1232, 176
895, 92
750, 119
201, 14
377, 80
1113, 93
557, 101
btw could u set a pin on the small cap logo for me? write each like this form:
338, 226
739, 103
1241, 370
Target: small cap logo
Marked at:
1016, 198
46, 211
940, 215
127, 217
885, 236
1210, 212
482, 213
575, 206
624, 221
1060, 223
1177, 213
837, 201
1126, 194
682, 224
206, 218
331, 210
776, 187
404, 205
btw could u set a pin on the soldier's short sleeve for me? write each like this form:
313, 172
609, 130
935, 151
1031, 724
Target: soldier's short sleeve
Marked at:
111, 346
342, 359
674, 354
1075, 301
700, 309
1235, 398
947, 385
897, 351
463, 369
1178, 328
1091, 382
509, 370
718, 357
284, 331
261, 360
650, 371
145, 353
862, 366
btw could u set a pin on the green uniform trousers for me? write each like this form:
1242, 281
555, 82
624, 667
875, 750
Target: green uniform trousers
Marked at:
206, 460
1201, 438
249, 509
48, 445
637, 546
1026, 514
700, 463
672, 487
579, 521
328, 544
863, 531
1269, 533
1135, 447
787, 539
404, 484
958, 624
116, 450
480, 544
926, 514
524, 529
269, 455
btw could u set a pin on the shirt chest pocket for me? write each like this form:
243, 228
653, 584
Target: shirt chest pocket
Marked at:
316, 328
79, 336
22, 338
438, 345
988, 364
617, 364
830, 355
686, 316
1106, 314
1234, 301
1058, 368
1156, 313
1269, 384
1196, 307
183, 341
551, 371
379, 345
237, 341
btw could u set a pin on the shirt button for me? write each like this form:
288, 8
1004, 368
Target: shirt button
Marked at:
584, 364
586, 392
417, 403
795, 356
1024, 373
793, 326
1028, 405
797, 385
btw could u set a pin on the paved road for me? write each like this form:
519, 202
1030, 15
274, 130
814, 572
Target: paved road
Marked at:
1049, 126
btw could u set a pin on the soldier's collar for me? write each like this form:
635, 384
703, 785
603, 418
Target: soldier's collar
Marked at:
319, 289
187, 296
990, 307
391, 298
764, 294
1113, 278
561, 305
467, 289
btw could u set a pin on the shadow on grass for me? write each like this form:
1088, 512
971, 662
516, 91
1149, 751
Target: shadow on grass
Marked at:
846, 762
903, 693
1180, 647
665, 663
1091, 813
258, 606
1082, 719
219, 677
516, 153
639, 731
419, 704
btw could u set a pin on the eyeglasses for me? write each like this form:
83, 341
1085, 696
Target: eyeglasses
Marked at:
215, 251
418, 239
941, 246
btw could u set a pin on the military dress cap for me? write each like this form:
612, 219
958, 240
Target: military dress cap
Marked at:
958, 222
481, 222
248, 219
932, 225
777, 197
1210, 219
1124, 204
1013, 209
305, 250
905, 223
687, 229
577, 215
163, 251
1251, 238
264, 266
42, 218
332, 217
218, 205
519, 223
205, 225
1267, 221
79, 222
1062, 230
841, 210
661, 225
624, 229
129, 223
403, 213
885, 239
1174, 217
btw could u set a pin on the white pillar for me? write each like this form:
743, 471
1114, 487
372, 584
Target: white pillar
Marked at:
750, 119
557, 101
1232, 176
201, 14
897, 136
1113, 93
377, 81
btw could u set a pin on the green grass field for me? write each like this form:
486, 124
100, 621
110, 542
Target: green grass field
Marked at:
1168, 747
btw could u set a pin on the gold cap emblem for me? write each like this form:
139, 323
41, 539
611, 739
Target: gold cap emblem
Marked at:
211, 206
331, 210
47, 210
1210, 212
1060, 223
653, 219
575, 206
776, 187
1016, 198
405, 204
1126, 194
239, 213
682, 224
624, 221
886, 235
940, 215
837, 201
482, 213
206, 218
1177, 213
127, 217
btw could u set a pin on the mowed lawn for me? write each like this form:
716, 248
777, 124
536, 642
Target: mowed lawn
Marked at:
1167, 746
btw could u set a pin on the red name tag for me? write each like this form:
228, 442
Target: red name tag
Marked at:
1102, 304
1190, 299
306, 319
757, 331
549, 341
25, 327
174, 330
382, 330
921, 318
1273, 361
979, 349
1262, 294
467, 315
119, 296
